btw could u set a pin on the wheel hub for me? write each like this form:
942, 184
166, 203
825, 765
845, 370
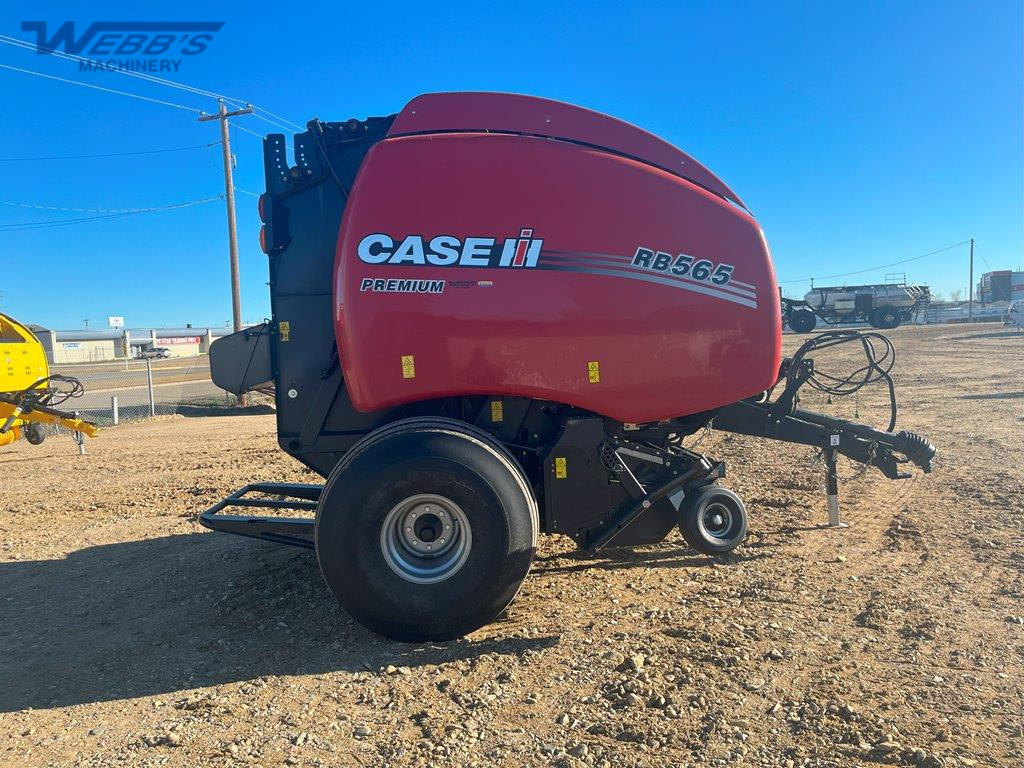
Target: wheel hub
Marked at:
426, 538
716, 520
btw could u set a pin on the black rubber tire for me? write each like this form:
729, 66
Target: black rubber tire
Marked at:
802, 320
426, 456
888, 318
699, 503
34, 433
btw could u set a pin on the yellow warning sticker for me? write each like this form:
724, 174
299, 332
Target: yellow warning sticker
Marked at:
560, 471
408, 367
594, 372
497, 410
284, 329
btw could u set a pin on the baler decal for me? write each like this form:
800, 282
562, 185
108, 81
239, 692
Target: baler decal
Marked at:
451, 251
400, 285
526, 252
617, 266
650, 277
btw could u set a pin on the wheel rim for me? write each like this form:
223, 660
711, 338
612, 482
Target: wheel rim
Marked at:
716, 523
426, 538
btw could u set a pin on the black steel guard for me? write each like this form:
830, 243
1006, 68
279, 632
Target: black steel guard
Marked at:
282, 530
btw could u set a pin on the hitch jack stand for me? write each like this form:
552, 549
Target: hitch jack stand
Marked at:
832, 489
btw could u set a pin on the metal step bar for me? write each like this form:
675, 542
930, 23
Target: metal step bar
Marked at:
296, 531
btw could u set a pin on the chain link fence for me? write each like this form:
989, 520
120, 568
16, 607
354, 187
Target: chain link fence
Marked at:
127, 390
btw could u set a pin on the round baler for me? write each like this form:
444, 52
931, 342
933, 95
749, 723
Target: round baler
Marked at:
495, 316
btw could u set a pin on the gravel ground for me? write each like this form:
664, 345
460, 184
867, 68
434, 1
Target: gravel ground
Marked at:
131, 636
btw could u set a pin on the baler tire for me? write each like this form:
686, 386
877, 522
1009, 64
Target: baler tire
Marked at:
713, 500
802, 321
465, 475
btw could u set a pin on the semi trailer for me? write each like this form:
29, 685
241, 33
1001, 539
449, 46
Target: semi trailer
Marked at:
495, 316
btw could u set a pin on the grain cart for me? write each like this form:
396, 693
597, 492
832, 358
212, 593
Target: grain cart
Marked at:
29, 394
495, 316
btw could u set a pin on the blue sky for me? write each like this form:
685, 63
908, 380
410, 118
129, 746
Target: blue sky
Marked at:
858, 134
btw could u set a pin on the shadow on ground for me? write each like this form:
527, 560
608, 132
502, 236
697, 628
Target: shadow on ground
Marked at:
993, 396
201, 409
996, 335
165, 614
658, 556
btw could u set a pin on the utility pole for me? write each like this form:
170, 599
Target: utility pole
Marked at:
970, 288
229, 194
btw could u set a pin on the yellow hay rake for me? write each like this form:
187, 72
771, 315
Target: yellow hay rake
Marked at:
28, 393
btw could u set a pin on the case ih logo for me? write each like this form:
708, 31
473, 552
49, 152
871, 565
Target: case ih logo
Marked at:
159, 42
451, 251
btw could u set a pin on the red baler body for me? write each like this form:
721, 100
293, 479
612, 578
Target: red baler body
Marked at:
541, 285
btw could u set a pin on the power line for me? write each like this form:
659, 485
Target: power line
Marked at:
106, 214
107, 154
978, 251
880, 266
260, 136
278, 121
99, 88
296, 126
274, 123
100, 65
257, 134
40, 206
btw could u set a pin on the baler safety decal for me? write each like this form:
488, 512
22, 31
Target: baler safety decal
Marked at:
408, 367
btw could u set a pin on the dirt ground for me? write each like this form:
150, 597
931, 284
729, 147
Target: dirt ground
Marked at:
130, 636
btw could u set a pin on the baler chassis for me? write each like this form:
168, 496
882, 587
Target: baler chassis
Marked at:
656, 476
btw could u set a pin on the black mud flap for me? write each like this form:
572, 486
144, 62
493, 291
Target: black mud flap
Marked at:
241, 362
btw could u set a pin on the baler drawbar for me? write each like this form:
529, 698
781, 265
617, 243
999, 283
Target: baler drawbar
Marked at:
495, 316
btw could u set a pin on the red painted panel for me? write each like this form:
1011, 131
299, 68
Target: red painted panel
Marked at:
665, 346
515, 113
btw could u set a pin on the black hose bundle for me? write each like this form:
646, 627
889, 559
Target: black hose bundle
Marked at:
879, 355
53, 390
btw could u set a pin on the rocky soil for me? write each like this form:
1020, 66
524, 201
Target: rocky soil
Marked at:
130, 636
